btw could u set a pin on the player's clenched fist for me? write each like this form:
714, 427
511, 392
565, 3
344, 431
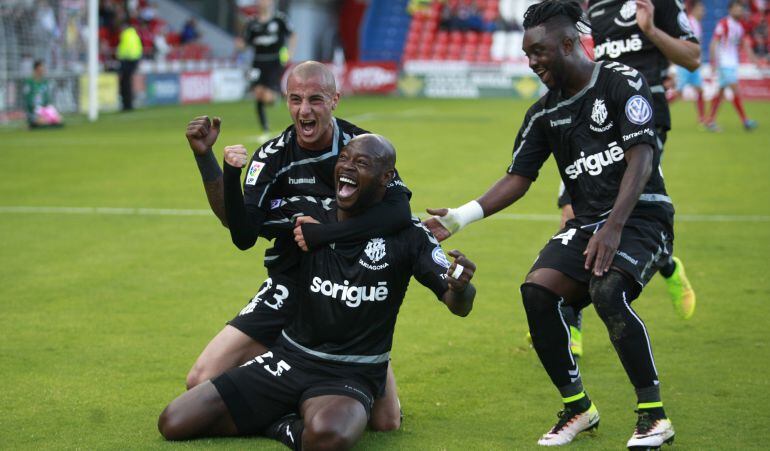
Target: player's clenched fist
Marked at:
202, 133
460, 272
236, 156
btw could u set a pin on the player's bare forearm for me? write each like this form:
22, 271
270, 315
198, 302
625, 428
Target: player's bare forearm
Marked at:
460, 303
638, 170
678, 51
601, 248
506, 191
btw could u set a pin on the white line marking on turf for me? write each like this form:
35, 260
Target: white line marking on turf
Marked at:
535, 217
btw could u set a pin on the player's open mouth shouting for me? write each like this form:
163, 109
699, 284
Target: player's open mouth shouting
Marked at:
347, 187
307, 126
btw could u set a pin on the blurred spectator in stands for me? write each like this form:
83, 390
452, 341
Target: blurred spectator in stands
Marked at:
448, 20
189, 32
469, 17
129, 53
46, 31
37, 100
160, 44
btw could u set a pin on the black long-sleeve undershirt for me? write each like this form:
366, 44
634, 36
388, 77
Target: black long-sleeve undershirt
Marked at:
244, 223
384, 218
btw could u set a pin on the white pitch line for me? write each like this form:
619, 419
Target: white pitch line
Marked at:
535, 217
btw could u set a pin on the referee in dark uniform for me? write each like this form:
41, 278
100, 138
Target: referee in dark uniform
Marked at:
268, 34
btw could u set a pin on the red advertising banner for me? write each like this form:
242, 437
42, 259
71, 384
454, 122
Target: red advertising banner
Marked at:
371, 77
196, 87
755, 89
378, 77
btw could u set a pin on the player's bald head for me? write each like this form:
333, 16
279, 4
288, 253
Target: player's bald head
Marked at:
313, 69
378, 147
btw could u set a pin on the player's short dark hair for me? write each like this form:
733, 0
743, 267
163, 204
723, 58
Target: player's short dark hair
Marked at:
733, 3
540, 13
37, 64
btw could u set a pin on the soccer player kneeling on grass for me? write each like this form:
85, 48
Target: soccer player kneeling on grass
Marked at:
623, 225
331, 359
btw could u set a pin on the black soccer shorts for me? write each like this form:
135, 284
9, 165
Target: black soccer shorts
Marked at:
277, 383
266, 73
645, 245
265, 315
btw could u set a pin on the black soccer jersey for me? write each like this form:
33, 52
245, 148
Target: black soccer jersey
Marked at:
617, 37
267, 38
350, 295
588, 135
280, 168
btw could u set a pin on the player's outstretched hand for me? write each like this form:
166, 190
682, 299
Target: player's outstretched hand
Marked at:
434, 223
645, 11
202, 133
236, 156
299, 238
460, 272
601, 249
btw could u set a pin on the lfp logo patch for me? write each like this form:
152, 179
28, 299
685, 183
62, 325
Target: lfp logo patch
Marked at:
638, 110
254, 170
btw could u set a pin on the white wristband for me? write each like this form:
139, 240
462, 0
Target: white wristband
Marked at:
458, 271
457, 218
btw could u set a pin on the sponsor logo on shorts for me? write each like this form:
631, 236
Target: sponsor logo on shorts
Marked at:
254, 170
595, 164
638, 110
625, 256
351, 295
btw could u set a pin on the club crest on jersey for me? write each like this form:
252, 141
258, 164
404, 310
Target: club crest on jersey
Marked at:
599, 116
374, 251
638, 110
627, 14
254, 170
599, 112
439, 257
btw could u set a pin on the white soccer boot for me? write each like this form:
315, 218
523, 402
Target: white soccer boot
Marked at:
651, 433
569, 425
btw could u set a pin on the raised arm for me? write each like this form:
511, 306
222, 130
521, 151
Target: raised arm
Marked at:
602, 246
678, 51
244, 222
201, 134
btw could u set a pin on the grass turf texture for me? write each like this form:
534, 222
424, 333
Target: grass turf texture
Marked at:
103, 315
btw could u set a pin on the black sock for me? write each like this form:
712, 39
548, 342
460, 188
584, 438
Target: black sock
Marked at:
668, 269
572, 316
262, 116
551, 339
611, 295
287, 430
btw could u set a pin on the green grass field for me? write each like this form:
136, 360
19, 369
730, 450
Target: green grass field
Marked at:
102, 312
